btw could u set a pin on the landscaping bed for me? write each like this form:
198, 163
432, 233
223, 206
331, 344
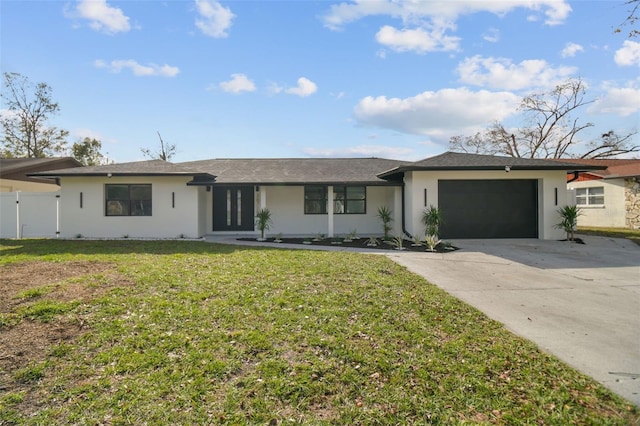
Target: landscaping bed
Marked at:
381, 244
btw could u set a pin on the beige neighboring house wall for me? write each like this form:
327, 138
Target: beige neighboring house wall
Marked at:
10, 185
620, 179
14, 173
612, 213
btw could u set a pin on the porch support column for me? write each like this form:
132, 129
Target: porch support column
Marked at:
263, 197
330, 211
397, 210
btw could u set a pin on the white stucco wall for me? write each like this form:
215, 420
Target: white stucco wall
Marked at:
34, 217
416, 182
286, 204
612, 214
166, 221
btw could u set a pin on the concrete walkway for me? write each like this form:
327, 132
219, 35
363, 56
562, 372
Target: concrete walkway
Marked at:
578, 302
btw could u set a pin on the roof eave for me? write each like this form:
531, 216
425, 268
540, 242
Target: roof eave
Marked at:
112, 174
303, 183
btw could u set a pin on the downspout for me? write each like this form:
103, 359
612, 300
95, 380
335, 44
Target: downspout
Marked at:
576, 175
404, 229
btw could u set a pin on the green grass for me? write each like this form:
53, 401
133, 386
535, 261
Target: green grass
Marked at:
630, 234
213, 334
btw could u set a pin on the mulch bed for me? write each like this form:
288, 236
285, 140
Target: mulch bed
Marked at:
359, 243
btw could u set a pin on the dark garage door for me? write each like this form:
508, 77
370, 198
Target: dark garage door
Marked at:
488, 208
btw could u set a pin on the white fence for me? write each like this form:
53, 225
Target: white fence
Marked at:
29, 214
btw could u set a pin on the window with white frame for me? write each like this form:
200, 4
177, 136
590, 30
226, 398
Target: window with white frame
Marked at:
590, 196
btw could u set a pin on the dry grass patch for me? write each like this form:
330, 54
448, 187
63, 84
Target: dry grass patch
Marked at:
35, 301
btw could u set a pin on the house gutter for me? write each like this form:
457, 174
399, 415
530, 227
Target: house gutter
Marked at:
575, 177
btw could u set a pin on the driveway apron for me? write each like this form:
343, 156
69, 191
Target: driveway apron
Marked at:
579, 302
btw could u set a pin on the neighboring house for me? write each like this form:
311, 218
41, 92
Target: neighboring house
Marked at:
14, 171
481, 196
610, 197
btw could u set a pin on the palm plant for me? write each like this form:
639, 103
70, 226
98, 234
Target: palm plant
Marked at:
432, 219
569, 220
432, 241
372, 242
398, 242
263, 221
384, 214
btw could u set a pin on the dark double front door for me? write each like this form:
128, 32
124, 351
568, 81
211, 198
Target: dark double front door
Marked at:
233, 208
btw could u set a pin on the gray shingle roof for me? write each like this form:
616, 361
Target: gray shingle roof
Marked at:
463, 161
300, 171
17, 165
296, 170
138, 168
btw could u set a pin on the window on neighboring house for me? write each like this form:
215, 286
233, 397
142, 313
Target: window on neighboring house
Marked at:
590, 196
349, 200
315, 200
128, 200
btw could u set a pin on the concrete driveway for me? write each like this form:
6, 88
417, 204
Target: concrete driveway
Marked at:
578, 302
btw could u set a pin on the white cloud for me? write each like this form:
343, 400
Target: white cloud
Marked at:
555, 11
622, 101
215, 19
239, 83
363, 151
492, 35
628, 54
438, 114
138, 69
570, 50
101, 16
304, 88
426, 25
418, 40
501, 73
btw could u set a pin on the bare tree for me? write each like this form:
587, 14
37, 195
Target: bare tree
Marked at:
166, 153
610, 145
24, 123
549, 129
632, 18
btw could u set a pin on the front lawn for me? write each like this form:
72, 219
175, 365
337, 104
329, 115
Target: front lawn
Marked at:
175, 332
630, 234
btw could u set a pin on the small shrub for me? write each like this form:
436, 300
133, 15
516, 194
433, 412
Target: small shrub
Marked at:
432, 241
569, 220
372, 242
263, 221
384, 214
398, 242
432, 219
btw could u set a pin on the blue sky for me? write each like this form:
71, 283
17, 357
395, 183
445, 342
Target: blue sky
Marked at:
247, 79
